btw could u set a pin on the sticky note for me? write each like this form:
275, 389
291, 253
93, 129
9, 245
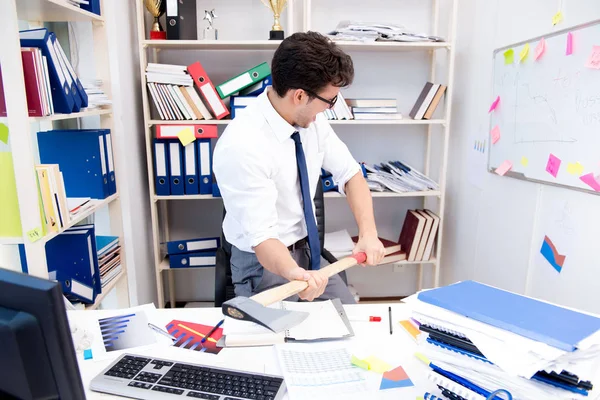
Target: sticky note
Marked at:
509, 57
423, 358
495, 134
87, 354
551, 255
594, 59
524, 161
539, 49
575, 168
186, 136
377, 364
591, 181
569, 44
4, 133
494, 104
504, 168
553, 165
359, 363
412, 330
35, 234
396, 378
557, 18
524, 52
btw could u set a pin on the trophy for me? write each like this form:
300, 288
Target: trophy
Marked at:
210, 33
276, 6
157, 8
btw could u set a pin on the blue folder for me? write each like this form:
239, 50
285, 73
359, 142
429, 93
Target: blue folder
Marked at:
534, 319
190, 167
257, 88
193, 260
79, 94
176, 167
161, 167
205, 165
110, 163
93, 6
190, 245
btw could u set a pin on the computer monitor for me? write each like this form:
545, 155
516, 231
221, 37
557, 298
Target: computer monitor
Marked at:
37, 357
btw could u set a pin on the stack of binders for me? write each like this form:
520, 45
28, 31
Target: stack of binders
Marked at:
478, 339
193, 253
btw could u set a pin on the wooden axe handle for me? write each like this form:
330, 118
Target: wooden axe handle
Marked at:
291, 288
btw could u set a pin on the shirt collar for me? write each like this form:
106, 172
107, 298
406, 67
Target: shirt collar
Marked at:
282, 129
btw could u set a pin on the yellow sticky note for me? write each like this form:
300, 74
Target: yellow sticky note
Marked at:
186, 136
509, 56
575, 168
558, 17
524, 52
423, 358
377, 364
35, 234
524, 161
359, 363
4, 133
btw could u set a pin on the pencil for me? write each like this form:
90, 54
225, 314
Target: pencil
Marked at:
390, 313
212, 331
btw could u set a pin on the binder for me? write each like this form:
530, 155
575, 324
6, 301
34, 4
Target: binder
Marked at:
78, 87
172, 15
328, 183
243, 80
207, 90
201, 131
534, 319
239, 103
161, 167
191, 169
205, 165
176, 170
93, 251
62, 96
193, 245
81, 156
77, 101
195, 259
93, 6
112, 184
257, 88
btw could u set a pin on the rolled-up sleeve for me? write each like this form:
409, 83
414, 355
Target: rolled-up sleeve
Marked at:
249, 194
337, 159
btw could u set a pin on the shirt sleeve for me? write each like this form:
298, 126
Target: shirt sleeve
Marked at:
337, 159
249, 194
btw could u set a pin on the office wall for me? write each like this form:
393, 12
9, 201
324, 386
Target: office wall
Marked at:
494, 225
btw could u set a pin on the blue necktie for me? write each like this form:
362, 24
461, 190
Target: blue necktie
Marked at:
309, 216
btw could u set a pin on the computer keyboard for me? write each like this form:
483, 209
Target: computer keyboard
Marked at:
153, 378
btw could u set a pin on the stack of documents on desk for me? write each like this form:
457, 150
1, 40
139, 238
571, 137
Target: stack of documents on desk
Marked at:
397, 177
496, 339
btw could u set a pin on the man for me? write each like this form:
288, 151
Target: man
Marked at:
268, 162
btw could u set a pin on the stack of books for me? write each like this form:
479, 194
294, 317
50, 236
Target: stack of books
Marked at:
109, 258
418, 234
478, 339
427, 101
374, 108
397, 177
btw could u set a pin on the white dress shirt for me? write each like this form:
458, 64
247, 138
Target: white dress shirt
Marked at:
255, 167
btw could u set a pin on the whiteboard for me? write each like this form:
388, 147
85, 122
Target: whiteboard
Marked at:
549, 109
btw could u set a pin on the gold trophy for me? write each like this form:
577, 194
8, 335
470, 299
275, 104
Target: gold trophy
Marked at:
276, 6
157, 8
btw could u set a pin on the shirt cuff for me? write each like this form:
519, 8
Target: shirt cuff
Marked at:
347, 176
259, 237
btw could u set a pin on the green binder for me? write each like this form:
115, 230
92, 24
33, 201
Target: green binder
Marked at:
244, 80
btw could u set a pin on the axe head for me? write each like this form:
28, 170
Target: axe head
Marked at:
246, 309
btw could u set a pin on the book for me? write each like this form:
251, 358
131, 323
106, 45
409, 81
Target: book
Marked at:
434, 103
424, 100
411, 233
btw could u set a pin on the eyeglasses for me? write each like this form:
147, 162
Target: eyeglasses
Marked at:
331, 102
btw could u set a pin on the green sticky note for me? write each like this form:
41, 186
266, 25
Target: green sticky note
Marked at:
10, 219
509, 57
359, 363
4, 133
377, 364
35, 234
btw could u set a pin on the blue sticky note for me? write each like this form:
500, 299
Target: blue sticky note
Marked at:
87, 354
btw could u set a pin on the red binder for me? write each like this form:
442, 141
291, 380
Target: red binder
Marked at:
208, 91
201, 131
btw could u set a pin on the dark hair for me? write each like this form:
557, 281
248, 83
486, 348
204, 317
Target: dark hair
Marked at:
309, 61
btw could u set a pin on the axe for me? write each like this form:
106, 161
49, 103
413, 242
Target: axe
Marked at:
255, 308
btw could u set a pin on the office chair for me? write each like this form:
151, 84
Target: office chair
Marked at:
224, 289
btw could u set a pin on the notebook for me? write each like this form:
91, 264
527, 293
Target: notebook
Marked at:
326, 320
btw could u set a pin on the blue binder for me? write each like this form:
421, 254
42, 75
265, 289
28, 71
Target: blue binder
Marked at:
81, 156
190, 169
79, 94
90, 228
62, 94
93, 6
191, 245
161, 167
176, 167
110, 163
534, 319
193, 260
257, 88
205, 165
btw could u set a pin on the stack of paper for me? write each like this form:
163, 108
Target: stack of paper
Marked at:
500, 340
397, 177
339, 243
370, 32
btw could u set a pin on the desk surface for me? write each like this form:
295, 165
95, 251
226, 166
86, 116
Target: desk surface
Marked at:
372, 337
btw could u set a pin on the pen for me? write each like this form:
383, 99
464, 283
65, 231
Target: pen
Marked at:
390, 313
162, 332
212, 331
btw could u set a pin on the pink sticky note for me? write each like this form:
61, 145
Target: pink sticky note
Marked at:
504, 168
569, 43
553, 165
594, 60
539, 49
495, 134
494, 104
591, 181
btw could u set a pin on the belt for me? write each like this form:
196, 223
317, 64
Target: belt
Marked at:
300, 244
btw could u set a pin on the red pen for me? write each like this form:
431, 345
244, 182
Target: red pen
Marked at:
370, 319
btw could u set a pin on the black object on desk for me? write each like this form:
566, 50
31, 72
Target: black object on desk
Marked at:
390, 314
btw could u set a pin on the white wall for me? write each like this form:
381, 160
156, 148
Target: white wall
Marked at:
495, 225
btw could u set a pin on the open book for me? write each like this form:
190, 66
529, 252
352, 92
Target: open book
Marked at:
326, 320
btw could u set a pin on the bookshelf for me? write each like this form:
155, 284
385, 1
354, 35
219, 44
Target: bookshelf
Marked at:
22, 143
434, 133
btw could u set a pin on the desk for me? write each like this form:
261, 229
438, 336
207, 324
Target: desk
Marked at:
396, 349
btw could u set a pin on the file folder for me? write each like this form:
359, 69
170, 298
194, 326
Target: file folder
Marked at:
90, 231
81, 157
78, 87
205, 165
112, 184
62, 96
172, 15
239, 103
243, 80
328, 183
193, 245
257, 88
93, 6
176, 176
201, 131
191, 169
162, 185
195, 259
208, 91
534, 319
